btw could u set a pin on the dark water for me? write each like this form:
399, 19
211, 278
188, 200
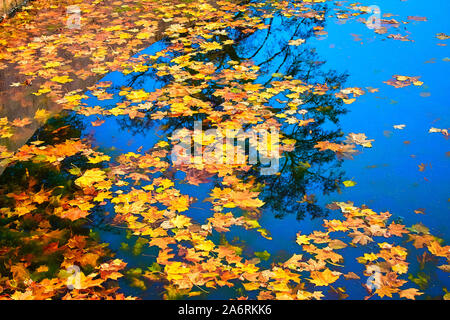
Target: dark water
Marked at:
387, 175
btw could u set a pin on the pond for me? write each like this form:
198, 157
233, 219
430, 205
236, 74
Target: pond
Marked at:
320, 77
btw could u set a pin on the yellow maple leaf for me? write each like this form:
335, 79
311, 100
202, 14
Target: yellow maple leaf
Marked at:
181, 221
302, 239
410, 293
99, 158
207, 245
180, 204
137, 95
41, 115
90, 177
349, 183
62, 79
324, 278
210, 46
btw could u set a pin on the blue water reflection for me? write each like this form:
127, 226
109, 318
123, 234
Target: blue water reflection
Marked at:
387, 175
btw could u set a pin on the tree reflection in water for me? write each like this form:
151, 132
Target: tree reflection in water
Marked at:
305, 171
